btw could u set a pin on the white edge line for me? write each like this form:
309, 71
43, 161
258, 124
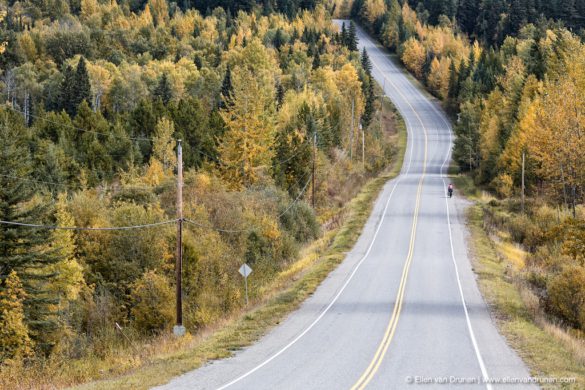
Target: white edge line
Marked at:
296, 339
471, 332
468, 320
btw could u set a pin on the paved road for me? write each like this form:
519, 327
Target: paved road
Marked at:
404, 305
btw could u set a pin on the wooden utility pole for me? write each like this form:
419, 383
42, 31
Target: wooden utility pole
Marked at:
352, 130
363, 146
314, 160
382, 103
179, 329
523, 169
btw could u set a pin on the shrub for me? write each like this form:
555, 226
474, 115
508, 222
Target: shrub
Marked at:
300, 222
152, 297
566, 295
504, 185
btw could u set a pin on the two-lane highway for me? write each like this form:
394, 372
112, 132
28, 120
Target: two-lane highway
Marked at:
403, 308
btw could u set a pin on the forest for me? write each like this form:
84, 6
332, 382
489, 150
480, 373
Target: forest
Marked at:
96, 95
512, 76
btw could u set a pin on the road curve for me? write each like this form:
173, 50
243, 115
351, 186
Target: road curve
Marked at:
403, 308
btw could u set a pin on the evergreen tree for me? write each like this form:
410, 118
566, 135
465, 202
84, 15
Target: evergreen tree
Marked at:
279, 95
227, 88
369, 106
467, 11
343, 36
293, 151
278, 40
352, 41
81, 86
23, 249
316, 60
453, 91
163, 90
67, 91
366, 63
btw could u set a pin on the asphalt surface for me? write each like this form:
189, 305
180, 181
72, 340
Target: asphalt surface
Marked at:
403, 309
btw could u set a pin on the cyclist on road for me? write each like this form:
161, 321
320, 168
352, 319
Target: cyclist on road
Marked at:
450, 190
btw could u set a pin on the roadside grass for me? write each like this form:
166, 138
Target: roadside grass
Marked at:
285, 294
546, 348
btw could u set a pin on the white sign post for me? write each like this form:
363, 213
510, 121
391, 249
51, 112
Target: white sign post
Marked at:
245, 270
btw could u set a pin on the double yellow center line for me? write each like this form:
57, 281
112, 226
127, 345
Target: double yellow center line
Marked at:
370, 372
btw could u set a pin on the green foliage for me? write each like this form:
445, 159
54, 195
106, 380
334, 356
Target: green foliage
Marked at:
566, 295
151, 295
22, 249
97, 97
163, 90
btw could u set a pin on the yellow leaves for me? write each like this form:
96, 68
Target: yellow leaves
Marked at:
247, 145
151, 295
68, 279
16, 343
293, 100
350, 89
26, 45
373, 9
184, 24
413, 56
181, 74
159, 11
551, 125
438, 78
163, 144
89, 8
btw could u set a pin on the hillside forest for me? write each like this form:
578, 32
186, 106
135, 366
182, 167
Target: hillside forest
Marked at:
96, 95
512, 76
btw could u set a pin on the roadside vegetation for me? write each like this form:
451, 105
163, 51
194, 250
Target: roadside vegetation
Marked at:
505, 270
96, 96
512, 76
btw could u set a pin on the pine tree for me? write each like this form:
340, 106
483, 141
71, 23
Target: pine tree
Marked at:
316, 60
467, 12
369, 106
453, 92
81, 85
293, 151
67, 92
352, 41
279, 95
343, 36
366, 63
163, 90
278, 40
227, 88
23, 249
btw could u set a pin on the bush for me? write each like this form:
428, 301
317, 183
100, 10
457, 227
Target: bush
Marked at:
566, 295
300, 222
153, 303
504, 185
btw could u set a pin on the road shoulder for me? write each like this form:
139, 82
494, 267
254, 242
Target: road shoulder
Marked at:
548, 360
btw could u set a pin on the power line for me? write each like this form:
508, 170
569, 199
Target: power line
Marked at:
119, 186
78, 128
190, 221
79, 228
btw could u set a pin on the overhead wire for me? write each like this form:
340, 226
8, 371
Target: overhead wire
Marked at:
78, 128
249, 230
80, 228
